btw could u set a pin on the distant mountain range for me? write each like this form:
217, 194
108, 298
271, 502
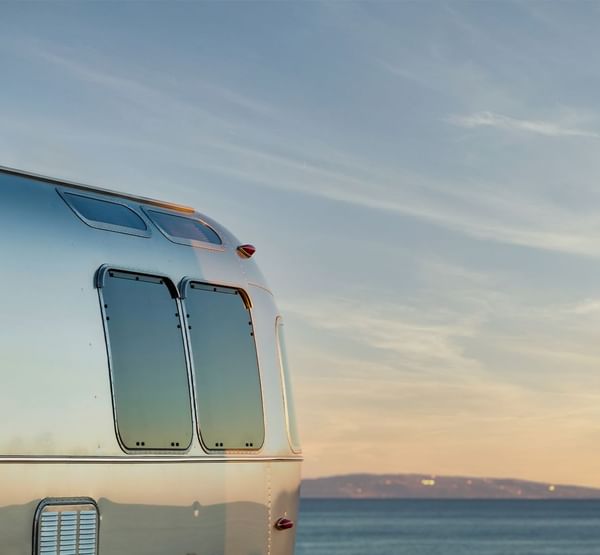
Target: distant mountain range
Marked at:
395, 486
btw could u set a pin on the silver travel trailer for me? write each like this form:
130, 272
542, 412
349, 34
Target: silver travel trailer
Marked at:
145, 403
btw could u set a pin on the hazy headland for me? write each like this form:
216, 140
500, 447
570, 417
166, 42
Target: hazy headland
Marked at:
405, 486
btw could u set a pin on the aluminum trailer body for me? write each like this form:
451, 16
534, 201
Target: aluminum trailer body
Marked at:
145, 406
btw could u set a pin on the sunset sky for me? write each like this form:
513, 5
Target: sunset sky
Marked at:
422, 183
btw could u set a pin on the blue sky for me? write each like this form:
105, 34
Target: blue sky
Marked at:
421, 182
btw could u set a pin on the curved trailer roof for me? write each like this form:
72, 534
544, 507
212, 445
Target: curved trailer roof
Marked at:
83, 187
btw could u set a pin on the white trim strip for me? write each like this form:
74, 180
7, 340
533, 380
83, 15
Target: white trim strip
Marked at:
141, 459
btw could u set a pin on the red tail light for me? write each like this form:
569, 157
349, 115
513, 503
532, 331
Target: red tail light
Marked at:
284, 524
246, 251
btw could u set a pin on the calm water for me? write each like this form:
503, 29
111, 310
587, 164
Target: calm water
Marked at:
448, 527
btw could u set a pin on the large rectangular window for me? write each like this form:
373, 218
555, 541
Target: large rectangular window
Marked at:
147, 361
227, 381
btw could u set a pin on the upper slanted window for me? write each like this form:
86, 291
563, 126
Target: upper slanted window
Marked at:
183, 229
226, 376
147, 361
106, 214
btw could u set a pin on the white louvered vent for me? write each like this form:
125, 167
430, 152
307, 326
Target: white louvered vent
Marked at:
67, 529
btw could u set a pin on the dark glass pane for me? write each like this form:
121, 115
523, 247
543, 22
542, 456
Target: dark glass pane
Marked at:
228, 394
184, 228
106, 212
149, 372
288, 389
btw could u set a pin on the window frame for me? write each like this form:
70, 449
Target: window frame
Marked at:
181, 240
99, 282
297, 449
64, 193
184, 286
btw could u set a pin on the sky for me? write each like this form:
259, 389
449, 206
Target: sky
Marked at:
422, 182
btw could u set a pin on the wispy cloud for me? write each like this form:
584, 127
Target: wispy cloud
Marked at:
539, 127
587, 307
146, 93
278, 157
428, 345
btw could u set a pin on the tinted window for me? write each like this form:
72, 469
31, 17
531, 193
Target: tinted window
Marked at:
288, 394
148, 366
105, 212
227, 381
181, 227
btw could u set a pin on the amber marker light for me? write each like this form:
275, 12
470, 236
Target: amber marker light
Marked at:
246, 251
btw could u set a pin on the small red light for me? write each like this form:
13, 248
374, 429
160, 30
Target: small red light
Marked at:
284, 524
246, 251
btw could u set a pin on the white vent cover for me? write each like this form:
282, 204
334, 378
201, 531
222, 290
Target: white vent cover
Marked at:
67, 527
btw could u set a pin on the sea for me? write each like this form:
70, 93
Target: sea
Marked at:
448, 527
